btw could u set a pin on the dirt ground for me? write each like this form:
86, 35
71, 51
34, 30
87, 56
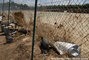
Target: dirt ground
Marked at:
20, 49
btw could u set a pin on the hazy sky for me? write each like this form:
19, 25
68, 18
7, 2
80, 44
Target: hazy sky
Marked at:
49, 2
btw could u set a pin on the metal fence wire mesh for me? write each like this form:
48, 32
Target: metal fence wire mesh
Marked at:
57, 20
66, 19
1, 8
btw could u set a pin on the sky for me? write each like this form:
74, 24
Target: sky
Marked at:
49, 2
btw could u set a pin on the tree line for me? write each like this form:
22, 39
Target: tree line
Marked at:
53, 8
69, 8
15, 6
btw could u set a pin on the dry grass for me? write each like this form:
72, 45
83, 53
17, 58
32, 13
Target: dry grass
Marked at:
19, 18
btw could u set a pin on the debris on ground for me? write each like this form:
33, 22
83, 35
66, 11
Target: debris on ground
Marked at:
21, 47
64, 47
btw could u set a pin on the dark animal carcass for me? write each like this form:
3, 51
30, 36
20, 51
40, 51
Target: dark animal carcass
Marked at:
23, 31
44, 45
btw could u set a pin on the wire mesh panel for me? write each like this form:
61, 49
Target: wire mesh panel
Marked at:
1, 6
21, 29
22, 14
4, 7
64, 21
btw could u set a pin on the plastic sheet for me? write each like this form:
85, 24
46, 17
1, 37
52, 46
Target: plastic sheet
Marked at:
63, 47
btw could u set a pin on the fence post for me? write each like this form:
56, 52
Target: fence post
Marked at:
2, 10
34, 25
1, 25
9, 12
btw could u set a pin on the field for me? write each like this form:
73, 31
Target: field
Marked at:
61, 26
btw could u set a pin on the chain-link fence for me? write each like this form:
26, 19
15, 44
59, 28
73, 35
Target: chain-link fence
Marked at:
66, 19
57, 20
0, 7
18, 16
4, 6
